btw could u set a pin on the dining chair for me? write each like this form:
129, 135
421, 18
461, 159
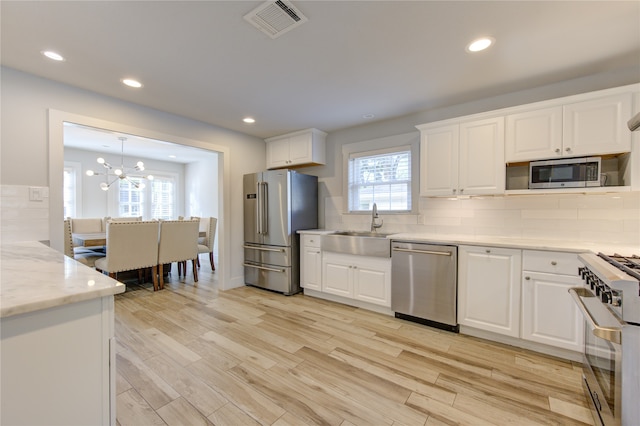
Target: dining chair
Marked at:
86, 225
205, 244
178, 243
131, 246
85, 256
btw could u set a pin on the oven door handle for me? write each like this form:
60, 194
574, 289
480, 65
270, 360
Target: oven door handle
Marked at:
612, 334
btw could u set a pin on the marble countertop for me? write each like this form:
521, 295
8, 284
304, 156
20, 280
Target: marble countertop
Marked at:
506, 242
36, 277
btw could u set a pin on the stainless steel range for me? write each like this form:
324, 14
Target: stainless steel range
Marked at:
610, 303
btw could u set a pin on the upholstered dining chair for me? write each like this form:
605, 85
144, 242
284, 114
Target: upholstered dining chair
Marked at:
178, 243
205, 244
131, 246
86, 225
84, 256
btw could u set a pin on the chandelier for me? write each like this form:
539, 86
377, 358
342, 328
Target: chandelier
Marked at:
121, 173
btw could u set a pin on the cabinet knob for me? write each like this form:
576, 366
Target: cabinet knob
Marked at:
461, 190
554, 263
311, 241
567, 149
487, 251
558, 150
527, 278
454, 191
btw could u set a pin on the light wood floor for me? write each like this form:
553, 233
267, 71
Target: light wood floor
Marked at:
191, 355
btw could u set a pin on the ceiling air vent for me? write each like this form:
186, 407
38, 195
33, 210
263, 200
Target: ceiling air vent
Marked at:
275, 18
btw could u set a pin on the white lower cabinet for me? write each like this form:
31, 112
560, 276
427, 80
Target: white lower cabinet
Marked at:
310, 262
489, 289
357, 277
549, 314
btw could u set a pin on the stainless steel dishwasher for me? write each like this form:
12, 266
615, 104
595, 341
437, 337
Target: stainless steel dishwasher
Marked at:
424, 284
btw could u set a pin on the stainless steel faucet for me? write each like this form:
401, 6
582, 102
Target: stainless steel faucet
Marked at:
374, 216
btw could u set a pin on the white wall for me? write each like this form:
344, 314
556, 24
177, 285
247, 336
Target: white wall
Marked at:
26, 104
201, 190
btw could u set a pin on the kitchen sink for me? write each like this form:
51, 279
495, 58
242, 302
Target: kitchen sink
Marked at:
360, 243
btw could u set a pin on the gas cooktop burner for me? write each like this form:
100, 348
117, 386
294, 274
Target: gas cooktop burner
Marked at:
628, 264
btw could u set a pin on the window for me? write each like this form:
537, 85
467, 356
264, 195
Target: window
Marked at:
157, 200
382, 177
72, 189
162, 197
69, 191
130, 198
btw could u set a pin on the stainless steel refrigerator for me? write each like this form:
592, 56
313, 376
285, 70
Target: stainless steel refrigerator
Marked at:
277, 203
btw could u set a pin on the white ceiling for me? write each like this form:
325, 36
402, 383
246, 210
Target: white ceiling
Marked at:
202, 60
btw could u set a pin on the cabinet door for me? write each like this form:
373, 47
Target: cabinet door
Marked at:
278, 153
300, 149
482, 166
311, 268
372, 281
533, 135
489, 289
549, 314
439, 161
597, 126
337, 275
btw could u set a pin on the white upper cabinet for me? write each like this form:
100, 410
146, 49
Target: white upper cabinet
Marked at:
439, 160
594, 126
481, 168
303, 148
466, 158
597, 126
533, 135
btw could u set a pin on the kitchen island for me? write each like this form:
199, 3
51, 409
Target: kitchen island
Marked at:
57, 330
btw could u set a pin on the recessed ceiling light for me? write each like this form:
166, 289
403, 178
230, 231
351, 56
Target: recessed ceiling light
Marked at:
131, 83
172, 156
480, 44
53, 55
249, 120
368, 116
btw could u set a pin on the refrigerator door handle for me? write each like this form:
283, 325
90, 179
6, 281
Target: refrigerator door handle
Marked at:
264, 197
259, 208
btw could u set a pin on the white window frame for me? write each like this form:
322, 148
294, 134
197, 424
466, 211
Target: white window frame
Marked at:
76, 167
380, 146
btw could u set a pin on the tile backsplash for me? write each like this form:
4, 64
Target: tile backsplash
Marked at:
612, 218
22, 217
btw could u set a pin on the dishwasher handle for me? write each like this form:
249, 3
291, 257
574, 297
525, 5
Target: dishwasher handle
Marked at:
438, 253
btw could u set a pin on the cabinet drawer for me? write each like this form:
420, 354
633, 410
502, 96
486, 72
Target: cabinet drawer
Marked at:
552, 262
311, 241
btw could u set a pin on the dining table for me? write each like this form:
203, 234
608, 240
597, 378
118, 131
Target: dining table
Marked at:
93, 239
99, 239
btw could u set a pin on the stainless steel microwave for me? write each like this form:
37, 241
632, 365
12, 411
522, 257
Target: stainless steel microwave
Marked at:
565, 173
